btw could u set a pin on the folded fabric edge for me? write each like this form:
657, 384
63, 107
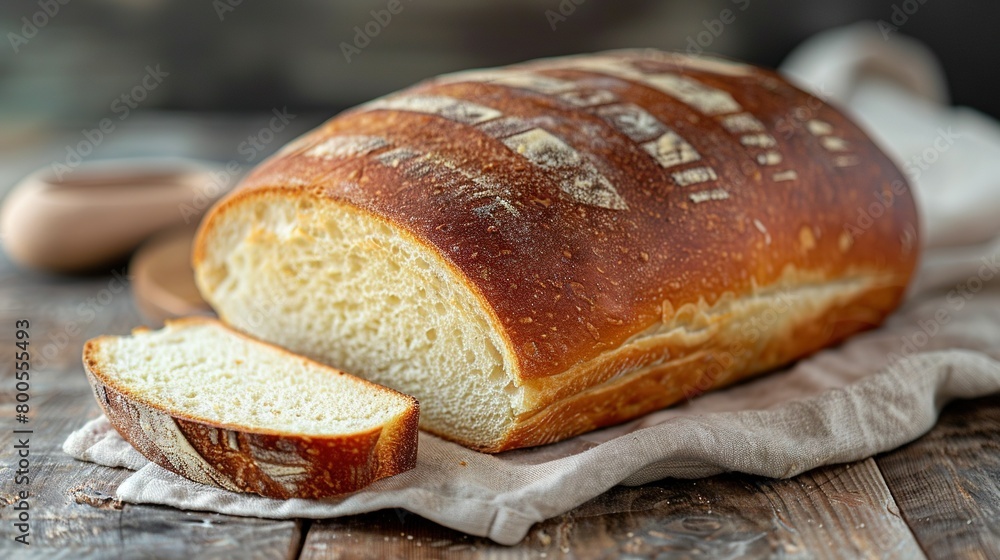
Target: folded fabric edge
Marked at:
481, 518
934, 369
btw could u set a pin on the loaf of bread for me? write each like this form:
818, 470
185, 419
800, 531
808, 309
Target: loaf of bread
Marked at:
219, 408
547, 248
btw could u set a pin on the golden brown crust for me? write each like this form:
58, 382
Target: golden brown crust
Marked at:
272, 464
755, 180
694, 370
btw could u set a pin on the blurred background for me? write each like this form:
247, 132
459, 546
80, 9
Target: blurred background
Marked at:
244, 55
238, 57
201, 79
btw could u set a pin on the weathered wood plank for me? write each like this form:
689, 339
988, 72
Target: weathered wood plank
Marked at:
843, 511
947, 483
72, 512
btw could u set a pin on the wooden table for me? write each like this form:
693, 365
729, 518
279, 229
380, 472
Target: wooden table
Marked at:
938, 497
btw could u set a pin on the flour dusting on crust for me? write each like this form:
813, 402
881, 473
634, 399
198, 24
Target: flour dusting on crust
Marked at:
458, 110
161, 429
666, 146
338, 147
283, 466
701, 97
451, 177
742, 122
575, 176
694, 175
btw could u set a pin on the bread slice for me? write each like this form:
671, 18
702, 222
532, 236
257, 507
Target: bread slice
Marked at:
218, 407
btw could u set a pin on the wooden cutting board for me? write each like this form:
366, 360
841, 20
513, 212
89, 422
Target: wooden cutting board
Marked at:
163, 280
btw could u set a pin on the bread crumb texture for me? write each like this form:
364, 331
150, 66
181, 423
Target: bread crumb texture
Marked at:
210, 374
341, 287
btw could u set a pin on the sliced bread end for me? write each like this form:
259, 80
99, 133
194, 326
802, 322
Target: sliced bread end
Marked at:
218, 407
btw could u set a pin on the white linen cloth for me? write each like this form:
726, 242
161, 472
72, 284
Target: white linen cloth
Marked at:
838, 405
